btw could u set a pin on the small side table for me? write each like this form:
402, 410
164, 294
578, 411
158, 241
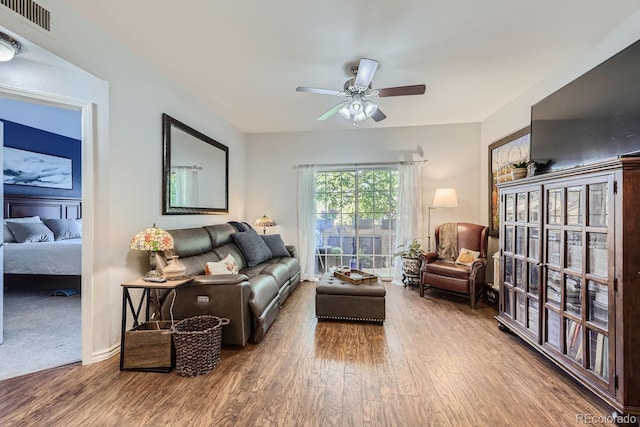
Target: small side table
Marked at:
410, 280
135, 309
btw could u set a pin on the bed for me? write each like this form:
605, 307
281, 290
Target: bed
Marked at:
61, 257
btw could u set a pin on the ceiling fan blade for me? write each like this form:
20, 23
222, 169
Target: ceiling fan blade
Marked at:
378, 115
318, 90
332, 111
366, 69
402, 90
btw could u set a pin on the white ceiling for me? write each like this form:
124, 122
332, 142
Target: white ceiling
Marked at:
246, 58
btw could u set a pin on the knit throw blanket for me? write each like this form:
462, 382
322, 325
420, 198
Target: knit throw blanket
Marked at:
448, 244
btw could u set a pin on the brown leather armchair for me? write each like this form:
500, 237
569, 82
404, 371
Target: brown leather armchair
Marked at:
455, 278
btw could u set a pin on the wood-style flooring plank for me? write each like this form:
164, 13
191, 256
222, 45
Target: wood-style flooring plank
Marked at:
433, 362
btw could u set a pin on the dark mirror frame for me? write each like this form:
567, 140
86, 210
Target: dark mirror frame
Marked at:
169, 123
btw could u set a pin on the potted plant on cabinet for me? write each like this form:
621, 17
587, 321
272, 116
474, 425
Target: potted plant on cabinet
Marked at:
410, 254
519, 170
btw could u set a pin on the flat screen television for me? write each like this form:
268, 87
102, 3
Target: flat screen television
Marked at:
596, 116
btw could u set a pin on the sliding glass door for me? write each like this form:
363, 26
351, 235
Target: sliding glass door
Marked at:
355, 219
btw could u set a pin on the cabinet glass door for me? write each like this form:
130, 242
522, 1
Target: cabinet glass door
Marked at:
521, 256
576, 276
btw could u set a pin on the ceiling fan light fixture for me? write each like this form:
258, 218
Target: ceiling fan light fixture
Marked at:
344, 112
9, 47
370, 108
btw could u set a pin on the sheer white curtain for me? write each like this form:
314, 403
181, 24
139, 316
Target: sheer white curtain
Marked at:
307, 221
409, 211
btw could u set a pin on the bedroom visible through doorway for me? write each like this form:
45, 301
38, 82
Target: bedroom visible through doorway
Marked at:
42, 225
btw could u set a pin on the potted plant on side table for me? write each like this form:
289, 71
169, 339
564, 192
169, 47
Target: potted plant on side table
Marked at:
410, 254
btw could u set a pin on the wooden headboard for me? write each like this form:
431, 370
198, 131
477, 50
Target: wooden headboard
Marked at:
42, 206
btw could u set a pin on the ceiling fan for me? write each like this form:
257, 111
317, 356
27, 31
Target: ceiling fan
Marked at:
358, 92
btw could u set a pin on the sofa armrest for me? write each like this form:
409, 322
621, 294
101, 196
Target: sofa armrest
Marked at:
212, 295
477, 271
292, 250
218, 279
427, 258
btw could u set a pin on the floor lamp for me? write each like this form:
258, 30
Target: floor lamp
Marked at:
444, 198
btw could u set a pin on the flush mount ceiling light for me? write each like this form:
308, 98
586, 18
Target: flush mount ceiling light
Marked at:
9, 47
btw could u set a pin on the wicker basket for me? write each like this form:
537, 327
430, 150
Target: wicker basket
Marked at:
197, 341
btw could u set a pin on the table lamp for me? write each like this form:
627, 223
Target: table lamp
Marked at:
444, 198
264, 222
152, 239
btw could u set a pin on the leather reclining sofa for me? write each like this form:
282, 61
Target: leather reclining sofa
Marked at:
251, 299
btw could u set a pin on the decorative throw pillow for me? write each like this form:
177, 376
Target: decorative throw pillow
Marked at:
30, 232
467, 257
7, 235
226, 266
254, 249
276, 245
63, 228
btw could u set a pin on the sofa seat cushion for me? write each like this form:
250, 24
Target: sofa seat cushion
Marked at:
448, 269
279, 272
292, 264
263, 291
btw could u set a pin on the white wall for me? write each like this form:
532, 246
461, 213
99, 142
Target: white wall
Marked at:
517, 114
130, 97
452, 152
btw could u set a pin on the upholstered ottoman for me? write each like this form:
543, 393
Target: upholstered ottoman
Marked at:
339, 300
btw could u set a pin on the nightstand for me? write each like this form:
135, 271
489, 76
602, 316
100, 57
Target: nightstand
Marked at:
147, 345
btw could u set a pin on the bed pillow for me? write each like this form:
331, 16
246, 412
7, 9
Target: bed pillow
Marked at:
30, 232
254, 249
226, 266
7, 235
276, 245
467, 257
64, 228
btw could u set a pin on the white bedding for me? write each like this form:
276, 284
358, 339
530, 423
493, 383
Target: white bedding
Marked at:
63, 257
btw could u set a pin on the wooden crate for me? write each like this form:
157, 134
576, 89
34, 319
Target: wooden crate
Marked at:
366, 277
149, 346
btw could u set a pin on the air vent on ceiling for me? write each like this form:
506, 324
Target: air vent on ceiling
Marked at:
30, 10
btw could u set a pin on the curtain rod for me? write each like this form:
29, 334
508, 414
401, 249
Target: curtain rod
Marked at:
324, 165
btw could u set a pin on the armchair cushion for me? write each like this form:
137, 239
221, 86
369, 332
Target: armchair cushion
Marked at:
467, 256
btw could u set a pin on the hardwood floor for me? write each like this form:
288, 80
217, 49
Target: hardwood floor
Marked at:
434, 362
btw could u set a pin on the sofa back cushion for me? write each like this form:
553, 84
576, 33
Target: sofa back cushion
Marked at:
276, 245
220, 234
190, 241
254, 249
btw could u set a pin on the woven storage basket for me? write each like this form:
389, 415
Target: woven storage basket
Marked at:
197, 341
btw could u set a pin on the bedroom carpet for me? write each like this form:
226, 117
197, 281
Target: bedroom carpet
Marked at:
40, 331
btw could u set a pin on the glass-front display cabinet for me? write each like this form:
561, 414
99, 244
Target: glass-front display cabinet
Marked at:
570, 273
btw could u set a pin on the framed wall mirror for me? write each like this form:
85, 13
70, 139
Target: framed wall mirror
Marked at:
195, 171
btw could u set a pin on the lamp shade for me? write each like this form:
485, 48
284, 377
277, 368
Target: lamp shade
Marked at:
152, 239
445, 198
265, 221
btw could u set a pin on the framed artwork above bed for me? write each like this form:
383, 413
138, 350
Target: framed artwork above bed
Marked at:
23, 167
